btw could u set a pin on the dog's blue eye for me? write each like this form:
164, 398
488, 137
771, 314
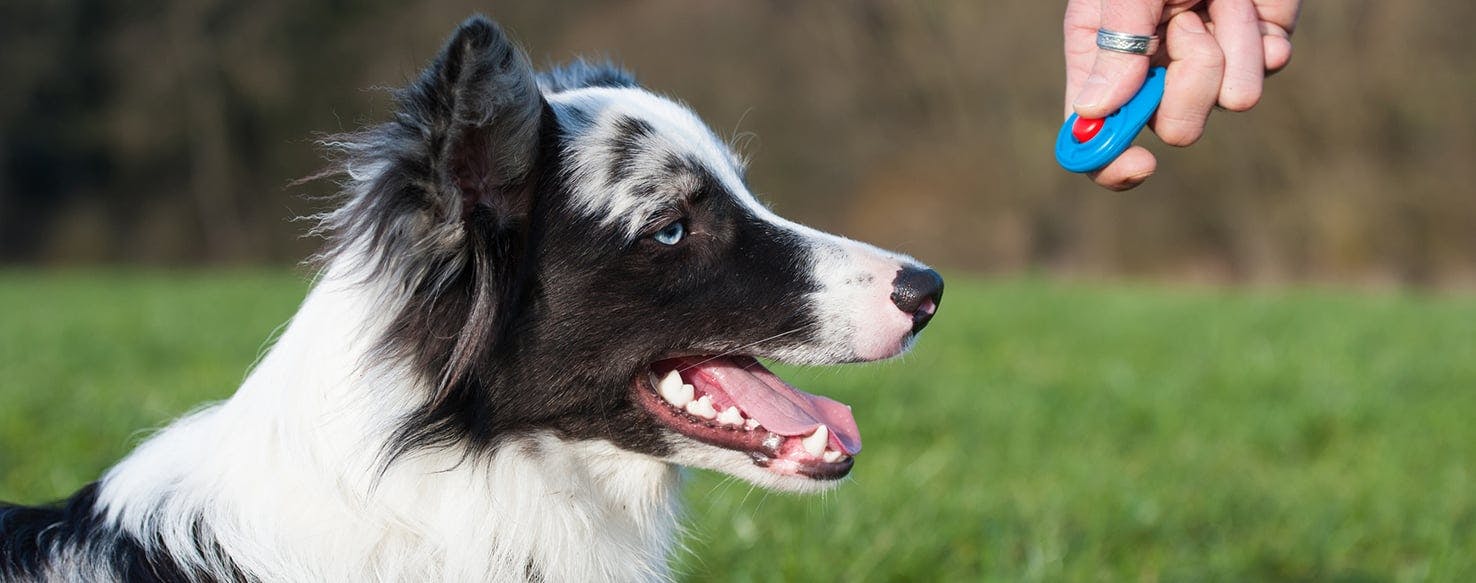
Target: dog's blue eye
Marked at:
671, 234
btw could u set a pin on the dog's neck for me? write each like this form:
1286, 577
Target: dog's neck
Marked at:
286, 481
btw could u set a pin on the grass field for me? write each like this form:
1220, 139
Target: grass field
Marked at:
1041, 432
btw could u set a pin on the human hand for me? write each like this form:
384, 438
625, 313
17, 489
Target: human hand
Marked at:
1217, 53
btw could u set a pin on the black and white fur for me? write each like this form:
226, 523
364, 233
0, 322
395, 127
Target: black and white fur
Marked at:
452, 401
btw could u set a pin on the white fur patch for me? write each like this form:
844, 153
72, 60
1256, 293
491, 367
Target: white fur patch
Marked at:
284, 477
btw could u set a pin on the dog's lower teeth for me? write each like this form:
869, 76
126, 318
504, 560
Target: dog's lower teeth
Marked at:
702, 407
730, 416
815, 443
751, 424
674, 391
832, 456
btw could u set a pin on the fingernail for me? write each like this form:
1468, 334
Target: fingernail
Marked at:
1092, 92
1130, 183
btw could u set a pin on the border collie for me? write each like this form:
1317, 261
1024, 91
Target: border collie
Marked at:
541, 293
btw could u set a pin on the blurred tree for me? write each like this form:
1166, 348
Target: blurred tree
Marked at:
165, 131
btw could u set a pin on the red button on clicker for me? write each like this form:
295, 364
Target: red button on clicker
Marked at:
1085, 129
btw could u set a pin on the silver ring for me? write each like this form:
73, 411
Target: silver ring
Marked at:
1121, 42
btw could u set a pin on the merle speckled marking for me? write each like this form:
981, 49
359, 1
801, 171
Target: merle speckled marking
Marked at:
626, 146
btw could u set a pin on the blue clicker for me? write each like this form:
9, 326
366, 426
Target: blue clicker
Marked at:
1094, 150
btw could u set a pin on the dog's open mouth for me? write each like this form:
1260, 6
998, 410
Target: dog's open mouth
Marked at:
736, 403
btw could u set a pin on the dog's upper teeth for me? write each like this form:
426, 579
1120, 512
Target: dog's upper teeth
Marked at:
674, 391
815, 443
730, 416
702, 408
831, 456
751, 424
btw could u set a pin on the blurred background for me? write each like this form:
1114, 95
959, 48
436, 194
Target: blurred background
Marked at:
165, 132
1259, 366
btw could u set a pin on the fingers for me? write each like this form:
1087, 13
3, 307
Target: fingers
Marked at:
1082, 17
1193, 83
1282, 13
1278, 21
1223, 63
1276, 43
1238, 30
1172, 8
1128, 171
1115, 77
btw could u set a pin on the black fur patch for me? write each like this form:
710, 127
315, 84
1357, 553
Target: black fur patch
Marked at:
72, 539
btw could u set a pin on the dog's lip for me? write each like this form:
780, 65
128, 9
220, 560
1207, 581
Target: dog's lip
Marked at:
782, 454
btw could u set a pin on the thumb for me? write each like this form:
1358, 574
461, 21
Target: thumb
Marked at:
1116, 77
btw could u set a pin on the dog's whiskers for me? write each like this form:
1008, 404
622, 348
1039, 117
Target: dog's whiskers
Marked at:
745, 346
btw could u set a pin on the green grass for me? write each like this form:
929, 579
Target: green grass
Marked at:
1042, 431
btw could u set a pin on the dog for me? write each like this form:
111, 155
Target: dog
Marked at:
541, 293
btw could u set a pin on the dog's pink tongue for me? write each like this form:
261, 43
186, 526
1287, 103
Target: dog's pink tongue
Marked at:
781, 408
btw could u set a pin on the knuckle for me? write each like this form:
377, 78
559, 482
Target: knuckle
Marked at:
1180, 130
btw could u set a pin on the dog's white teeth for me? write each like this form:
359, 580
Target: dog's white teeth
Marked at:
672, 380
816, 442
831, 456
751, 424
672, 389
702, 408
730, 416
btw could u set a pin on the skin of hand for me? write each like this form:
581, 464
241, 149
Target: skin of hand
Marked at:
1218, 52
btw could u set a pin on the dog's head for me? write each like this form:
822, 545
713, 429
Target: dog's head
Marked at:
578, 255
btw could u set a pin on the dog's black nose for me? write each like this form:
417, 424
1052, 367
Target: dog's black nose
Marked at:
918, 292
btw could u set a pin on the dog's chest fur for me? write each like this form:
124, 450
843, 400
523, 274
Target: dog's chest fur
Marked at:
285, 480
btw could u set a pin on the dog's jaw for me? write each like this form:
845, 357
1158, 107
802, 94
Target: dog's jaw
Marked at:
808, 439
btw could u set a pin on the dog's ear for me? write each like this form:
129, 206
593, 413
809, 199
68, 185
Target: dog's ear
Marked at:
460, 155
439, 200
479, 110
478, 113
